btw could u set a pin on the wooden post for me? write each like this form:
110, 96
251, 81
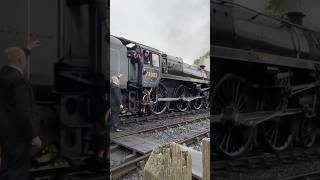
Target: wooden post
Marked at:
168, 163
206, 158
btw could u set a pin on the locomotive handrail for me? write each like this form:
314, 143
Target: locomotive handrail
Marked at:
139, 44
303, 87
167, 76
263, 14
255, 118
205, 89
189, 99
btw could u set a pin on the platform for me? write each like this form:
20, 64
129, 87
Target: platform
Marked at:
141, 145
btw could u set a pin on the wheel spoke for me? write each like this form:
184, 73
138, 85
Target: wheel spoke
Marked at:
228, 141
159, 106
229, 97
276, 133
307, 133
181, 92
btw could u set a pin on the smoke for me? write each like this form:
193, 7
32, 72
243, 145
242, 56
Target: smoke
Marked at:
177, 27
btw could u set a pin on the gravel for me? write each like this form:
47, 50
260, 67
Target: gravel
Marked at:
275, 173
155, 123
196, 146
119, 157
272, 173
169, 135
179, 133
136, 175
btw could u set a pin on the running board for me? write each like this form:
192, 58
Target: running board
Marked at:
188, 99
253, 119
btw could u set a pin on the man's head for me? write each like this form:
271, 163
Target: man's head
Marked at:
115, 80
146, 53
15, 56
119, 75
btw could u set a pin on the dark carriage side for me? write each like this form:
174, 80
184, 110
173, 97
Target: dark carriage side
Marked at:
69, 75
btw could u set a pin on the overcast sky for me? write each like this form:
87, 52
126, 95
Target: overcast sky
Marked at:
177, 27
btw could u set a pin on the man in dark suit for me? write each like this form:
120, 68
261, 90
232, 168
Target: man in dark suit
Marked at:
17, 104
115, 102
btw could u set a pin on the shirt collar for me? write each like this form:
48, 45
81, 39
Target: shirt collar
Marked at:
17, 68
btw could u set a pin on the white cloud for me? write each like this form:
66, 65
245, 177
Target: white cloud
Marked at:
177, 27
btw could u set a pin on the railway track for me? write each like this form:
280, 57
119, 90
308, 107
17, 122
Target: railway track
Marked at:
156, 122
265, 160
308, 176
139, 159
172, 121
68, 173
245, 163
126, 119
161, 123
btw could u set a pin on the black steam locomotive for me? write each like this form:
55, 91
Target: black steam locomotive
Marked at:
265, 80
156, 81
69, 74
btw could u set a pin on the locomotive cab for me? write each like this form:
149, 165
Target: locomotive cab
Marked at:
151, 69
127, 56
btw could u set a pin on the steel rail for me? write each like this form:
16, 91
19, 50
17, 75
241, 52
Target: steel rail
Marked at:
263, 160
126, 119
315, 175
187, 119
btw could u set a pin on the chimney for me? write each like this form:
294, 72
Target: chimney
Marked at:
294, 11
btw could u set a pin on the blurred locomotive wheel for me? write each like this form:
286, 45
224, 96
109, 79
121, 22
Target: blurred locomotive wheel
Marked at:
197, 103
1, 156
106, 119
104, 149
278, 133
206, 100
182, 91
307, 132
158, 107
232, 140
229, 99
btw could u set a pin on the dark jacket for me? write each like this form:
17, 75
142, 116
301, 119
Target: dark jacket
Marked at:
17, 104
115, 97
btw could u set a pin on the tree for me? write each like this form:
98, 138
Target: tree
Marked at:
201, 59
276, 7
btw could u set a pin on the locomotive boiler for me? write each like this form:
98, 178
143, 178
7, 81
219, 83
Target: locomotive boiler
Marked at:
242, 28
155, 82
69, 75
265, 80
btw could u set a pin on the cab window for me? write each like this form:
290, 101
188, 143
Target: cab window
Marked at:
155, 60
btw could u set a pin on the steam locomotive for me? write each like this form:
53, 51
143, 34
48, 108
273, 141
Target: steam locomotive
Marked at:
265, 80
69, 75
155, 82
